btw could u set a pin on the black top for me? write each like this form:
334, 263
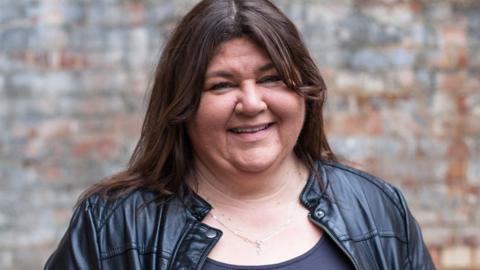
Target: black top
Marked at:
324, 255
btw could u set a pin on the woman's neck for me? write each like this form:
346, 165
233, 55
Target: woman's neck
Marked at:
251, 190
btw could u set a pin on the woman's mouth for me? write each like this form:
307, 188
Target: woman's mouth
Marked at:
252, 133
241, 130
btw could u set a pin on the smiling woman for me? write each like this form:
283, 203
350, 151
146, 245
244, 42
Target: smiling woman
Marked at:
233, 169
248, 120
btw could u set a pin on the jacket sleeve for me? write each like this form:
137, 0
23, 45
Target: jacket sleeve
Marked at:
79, 247
418, 255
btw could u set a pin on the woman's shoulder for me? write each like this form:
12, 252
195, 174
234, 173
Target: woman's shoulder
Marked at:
366, 204
136, 205
365, 207
343, 176
137, 221
103, 227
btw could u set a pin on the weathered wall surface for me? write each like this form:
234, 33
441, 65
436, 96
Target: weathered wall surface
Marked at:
404, 103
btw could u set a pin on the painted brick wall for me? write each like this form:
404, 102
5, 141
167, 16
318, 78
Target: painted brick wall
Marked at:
404, 103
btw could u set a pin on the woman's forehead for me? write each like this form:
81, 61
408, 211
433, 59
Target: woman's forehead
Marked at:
239, 53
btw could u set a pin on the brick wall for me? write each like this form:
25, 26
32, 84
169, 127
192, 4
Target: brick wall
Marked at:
404, 103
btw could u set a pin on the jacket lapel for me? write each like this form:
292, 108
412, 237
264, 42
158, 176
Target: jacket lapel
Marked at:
194, 245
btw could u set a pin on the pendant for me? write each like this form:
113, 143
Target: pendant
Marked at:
258, 245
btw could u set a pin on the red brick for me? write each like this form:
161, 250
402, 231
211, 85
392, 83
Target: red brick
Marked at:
454, 35
96, 147
50, 173
452, 81
136, 11
456, 257
449, 58
68, 60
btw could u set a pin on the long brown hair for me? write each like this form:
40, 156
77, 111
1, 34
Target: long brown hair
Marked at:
163, 156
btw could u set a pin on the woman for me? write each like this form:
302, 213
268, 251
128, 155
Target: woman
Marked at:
233, 169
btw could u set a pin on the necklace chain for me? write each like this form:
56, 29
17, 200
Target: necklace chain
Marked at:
258, 242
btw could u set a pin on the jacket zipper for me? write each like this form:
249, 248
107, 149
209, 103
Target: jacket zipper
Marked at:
325, 229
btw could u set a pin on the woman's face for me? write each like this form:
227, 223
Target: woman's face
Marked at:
248, 120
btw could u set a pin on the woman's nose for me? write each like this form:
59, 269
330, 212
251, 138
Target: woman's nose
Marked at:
250, 100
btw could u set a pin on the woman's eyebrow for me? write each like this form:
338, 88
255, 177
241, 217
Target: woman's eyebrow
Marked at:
220, 73
265, 67
228, 75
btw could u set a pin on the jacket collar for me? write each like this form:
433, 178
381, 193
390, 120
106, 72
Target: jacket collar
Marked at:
315, 188
196, 205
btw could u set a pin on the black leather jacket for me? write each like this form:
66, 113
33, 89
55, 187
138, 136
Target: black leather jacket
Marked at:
367, 218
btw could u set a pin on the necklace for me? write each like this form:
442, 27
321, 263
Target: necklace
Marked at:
258, 242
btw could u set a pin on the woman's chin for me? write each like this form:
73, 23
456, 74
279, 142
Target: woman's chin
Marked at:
258, 160
254, 164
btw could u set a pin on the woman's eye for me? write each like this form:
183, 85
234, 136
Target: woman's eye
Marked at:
270, 79
222, 85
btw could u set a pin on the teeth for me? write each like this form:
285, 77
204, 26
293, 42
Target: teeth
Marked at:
249, 130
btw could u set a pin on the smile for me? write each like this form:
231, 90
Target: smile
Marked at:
241, 130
